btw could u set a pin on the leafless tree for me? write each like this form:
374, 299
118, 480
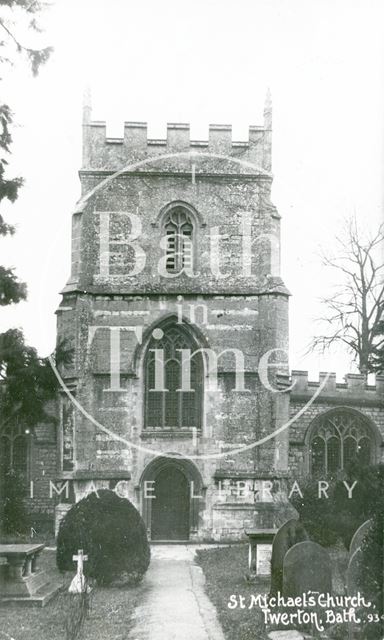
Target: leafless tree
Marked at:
355, 311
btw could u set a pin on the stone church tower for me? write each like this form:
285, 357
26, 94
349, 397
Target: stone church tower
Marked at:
178, 318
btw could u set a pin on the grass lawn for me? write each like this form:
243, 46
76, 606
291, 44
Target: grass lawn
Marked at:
224, 571
109, 617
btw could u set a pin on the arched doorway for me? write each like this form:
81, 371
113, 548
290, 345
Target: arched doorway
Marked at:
170, 507
172, 497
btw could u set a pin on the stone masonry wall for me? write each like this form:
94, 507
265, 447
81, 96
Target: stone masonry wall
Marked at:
234, 303
354, 393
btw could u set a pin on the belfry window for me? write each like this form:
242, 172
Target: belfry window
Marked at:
171, 407
179, 246
340, 437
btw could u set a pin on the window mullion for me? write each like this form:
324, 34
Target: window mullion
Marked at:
163, 409
179, 251
167, 409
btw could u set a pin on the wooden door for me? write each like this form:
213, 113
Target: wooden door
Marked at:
170, 507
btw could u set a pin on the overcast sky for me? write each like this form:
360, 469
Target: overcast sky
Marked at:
201, 62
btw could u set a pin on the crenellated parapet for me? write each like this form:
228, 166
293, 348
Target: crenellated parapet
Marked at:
102, 153
355, 387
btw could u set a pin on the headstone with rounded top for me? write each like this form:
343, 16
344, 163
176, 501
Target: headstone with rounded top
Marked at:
307, 567
287, 536
355, 584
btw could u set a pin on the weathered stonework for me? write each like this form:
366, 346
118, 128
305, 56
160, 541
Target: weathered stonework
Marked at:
128, 186
223, 185
366, 400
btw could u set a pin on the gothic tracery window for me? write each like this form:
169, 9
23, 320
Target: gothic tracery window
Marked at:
340, 437
173, 408
179, 247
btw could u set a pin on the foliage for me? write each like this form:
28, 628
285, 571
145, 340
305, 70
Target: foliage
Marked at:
372, 570
78, 613
111, 532
355, 307
338, 517
315, 513
109, 617
14, 515
378, 357
11, 290
27, 381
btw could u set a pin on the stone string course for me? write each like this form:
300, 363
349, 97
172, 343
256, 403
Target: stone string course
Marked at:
248, 313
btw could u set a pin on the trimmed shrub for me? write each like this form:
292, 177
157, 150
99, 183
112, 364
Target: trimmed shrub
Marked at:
111, 532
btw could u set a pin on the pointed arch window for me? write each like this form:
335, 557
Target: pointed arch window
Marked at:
340, 437
172, 408
179, 231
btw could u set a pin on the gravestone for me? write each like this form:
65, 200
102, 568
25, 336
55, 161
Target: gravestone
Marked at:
259, 553
287, 536
355, 584
306, 567
21, 580
359, 536
79, 583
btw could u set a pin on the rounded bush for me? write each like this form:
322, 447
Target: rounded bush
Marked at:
111, 533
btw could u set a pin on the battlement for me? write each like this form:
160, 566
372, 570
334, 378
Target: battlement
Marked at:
104, 153
354, 386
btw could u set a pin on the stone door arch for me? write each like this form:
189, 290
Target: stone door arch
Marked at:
172, 496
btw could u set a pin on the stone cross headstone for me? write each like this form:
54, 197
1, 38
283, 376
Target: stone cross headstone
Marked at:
359, 536
78, 584
287, 536
307, 567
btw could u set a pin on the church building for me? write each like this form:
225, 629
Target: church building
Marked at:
179, 395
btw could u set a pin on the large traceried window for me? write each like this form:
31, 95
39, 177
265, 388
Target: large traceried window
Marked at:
173, 408
340, 437
178, 227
